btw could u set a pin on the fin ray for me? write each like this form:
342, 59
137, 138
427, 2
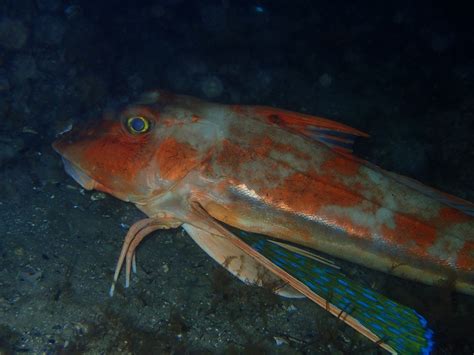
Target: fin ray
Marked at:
394, 327
306, 253
238, 263
334, 134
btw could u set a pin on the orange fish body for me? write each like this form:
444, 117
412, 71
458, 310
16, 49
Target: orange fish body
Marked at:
286, 175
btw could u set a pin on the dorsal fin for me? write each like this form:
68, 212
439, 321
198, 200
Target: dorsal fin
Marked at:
334, 134
457, 203
464, 206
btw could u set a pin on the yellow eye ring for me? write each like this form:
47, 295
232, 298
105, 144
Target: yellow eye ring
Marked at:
137, 125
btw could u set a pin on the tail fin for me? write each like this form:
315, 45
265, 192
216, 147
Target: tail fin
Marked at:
396, 328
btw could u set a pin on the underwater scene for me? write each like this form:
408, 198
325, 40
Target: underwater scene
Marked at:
236, 177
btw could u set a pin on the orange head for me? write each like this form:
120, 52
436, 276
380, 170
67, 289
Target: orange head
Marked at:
142, 150
116, 154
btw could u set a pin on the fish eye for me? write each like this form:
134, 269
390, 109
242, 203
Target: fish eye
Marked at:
137, 125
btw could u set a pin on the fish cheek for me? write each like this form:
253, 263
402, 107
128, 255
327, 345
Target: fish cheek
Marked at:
175, 159
115, 161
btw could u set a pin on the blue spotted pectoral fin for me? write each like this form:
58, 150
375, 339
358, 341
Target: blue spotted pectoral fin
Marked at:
392, 326
396, 328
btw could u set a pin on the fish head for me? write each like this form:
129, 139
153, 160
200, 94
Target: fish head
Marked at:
116, 154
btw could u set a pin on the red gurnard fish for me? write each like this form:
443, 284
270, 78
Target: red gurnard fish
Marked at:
276, 175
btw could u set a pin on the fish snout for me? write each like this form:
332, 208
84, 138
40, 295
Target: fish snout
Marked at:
69, 146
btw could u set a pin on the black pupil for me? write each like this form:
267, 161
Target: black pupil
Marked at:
137, 124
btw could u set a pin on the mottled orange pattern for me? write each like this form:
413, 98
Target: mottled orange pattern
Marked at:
410, 234
308, 194
451, 215
112, 153
465, 260
175, 159
340, 165
259, 167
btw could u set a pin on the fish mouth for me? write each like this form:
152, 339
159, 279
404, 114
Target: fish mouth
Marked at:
79, 175
62, 146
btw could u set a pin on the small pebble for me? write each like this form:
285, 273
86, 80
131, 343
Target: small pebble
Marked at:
29, 130
30, 275
96, 196
280, 341
19, 251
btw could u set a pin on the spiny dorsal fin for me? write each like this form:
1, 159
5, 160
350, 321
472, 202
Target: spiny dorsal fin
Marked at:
334, 134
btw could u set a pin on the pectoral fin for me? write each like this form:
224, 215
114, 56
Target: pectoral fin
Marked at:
238, 263
394, 327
